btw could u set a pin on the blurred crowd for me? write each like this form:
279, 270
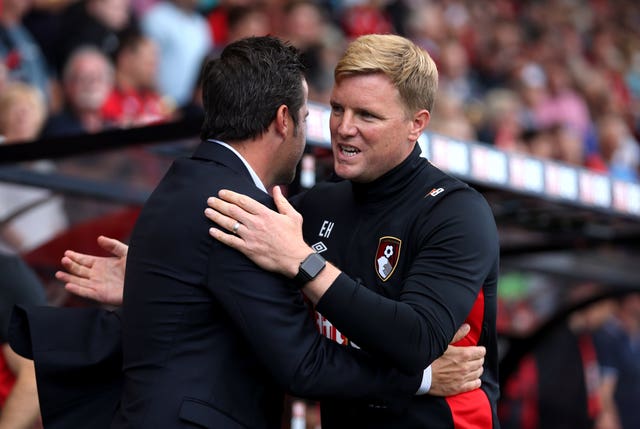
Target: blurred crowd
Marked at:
558, 79
584, 370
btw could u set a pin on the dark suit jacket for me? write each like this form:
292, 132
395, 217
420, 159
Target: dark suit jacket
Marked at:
209, 339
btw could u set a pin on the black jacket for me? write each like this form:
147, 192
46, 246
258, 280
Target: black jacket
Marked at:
421, 250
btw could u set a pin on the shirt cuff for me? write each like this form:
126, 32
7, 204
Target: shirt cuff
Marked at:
425, 386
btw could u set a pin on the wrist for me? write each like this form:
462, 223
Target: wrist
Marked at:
298, 255
425, 385
309, 269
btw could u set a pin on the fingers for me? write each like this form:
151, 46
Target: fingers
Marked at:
76, 285
242, 201
113, 246
471, 354
230, 240
224, 221
226, 214
232, 207
462, 332
77, 263
470, 385
66, 277
468, 372
79, 258
471, 380
476, 352
473, 368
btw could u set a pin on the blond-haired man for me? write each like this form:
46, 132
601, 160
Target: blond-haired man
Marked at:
421, 248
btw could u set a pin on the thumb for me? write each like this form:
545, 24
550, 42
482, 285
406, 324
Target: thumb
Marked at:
462, 332
113, 246
282, 204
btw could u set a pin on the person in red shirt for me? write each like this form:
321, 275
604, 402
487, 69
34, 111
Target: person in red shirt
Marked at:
135, 101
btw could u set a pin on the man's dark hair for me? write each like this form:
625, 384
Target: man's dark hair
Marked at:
242, 90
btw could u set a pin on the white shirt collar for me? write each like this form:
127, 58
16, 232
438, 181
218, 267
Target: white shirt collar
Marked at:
252, 172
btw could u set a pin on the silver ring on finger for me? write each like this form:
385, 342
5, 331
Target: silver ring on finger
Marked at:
235, 228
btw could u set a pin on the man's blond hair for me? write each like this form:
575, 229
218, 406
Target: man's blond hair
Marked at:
410, 68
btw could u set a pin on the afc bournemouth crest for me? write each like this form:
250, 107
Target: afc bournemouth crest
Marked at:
387, 256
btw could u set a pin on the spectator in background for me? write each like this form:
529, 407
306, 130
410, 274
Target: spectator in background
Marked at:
569, 147
134, 101
19, 407
365, 17
538, 142
19, 52
560, 384
502, 121
183, 37
87, 80
230, 22
218, 20
456, 77
4, 75
632, 78
247, 21
450, 119
99, 23
426, 26
619, 149
561, 104
605, 55
497, 56
306, 26
29, 216
22, 112
44, 21
618, 346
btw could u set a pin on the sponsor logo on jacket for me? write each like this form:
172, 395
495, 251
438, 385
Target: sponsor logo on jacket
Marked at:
327, 329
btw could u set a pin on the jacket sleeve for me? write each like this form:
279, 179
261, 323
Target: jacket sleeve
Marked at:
457, 250
276, 322
77, 354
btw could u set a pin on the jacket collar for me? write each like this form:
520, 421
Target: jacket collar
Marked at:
211, 151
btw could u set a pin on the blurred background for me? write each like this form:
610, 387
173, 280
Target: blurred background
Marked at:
538, 108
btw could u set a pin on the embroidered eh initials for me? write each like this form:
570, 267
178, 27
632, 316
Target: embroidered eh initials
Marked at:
325, 230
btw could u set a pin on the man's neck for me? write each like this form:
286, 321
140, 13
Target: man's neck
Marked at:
257, 155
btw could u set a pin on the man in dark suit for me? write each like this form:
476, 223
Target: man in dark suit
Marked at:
209, 339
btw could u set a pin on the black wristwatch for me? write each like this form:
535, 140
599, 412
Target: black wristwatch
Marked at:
309, 269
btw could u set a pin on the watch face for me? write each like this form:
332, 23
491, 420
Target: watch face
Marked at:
313, 265
309, 269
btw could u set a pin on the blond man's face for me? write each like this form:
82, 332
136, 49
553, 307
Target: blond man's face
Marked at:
370, 130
